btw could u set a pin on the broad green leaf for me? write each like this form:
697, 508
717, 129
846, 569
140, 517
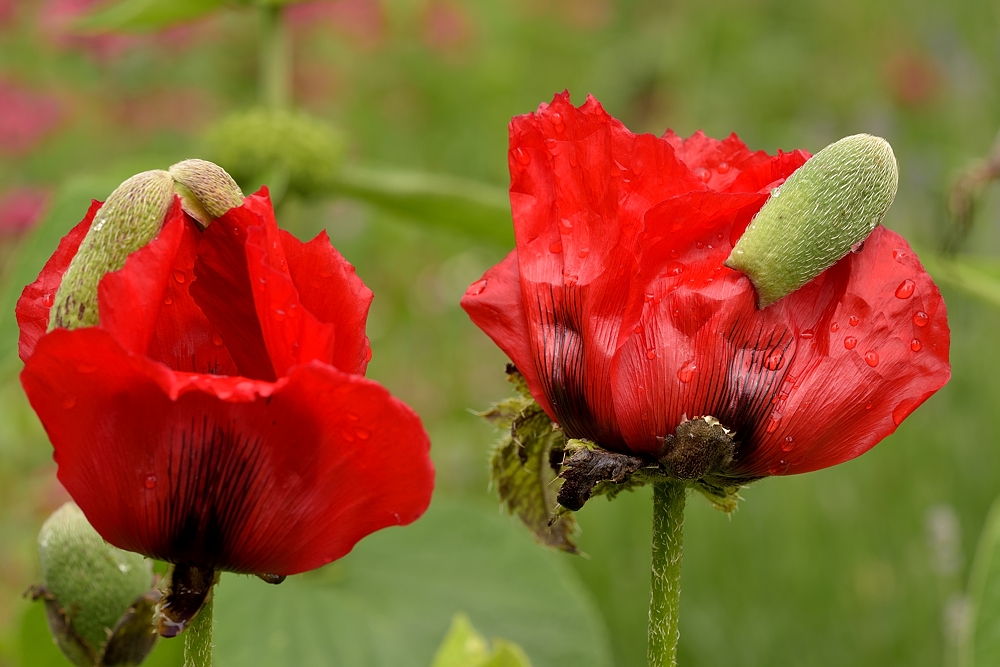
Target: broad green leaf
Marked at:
463, 646
139, 15
389, 603
977, 277
981, 644
68, 207
448, 202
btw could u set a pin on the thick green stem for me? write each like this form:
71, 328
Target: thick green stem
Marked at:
198, 638
665, 585
275, 58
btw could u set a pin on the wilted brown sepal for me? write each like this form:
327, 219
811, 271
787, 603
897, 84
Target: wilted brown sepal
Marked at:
698, 448
186, 594
133, 637
587, 467
73, 646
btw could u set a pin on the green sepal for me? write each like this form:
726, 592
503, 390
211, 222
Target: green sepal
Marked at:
93, 591
464, 646
130, 218
207, 191
525, 464
826, 208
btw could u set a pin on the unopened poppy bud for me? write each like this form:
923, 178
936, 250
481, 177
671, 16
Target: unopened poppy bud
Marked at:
824, 210
277, 145
98, 599
128, 220
207, 191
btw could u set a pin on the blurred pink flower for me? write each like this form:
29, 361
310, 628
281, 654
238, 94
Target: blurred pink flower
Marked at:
361, 20
447, 26
57, 18
25, 118
21, 208
6, 12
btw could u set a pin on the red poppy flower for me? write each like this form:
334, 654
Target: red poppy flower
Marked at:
618, 311
218, 416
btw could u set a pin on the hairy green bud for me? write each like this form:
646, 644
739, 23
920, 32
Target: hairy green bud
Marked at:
206, 190
128, 220
825, 209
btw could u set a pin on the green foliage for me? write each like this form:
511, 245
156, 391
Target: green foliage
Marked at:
463, 646
979, 277
981, 641
146, 14
525, 464
390, 601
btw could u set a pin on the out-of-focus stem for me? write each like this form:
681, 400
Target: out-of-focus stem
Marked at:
275, 58
665, 583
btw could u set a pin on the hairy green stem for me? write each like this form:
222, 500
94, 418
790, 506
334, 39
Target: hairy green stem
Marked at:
275, 58
198, 637
665, 583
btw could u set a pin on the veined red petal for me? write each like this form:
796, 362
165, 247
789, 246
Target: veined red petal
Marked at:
36, 300
167, 465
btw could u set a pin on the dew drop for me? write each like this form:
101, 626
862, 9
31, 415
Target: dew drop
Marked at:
352, 417
150, 482
699, 245
915, 345
905, 289
476, 288
898, 254
179, 276
348, 435
850, 342
362, 433
854, 321
723, 167
584, 252
674, 253
788, 444
279, 314
522, 156
807, 334
871, 358
677, 312
675, 269
687, 371
556, 248
920, 318
704, 174
168, 300
778, 468
638, 329
47, 300
774, 423
368, 353
901, 411
868, 405
69, 402
216, 339
834, 327
86, 368
648, 298
774, 362
651, 353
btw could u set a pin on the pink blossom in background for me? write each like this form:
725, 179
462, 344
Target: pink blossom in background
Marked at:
361, 20
21, 208
447, 27
57, 18
25, 118
6, 13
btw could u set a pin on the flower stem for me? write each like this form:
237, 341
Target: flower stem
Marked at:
665, 585
275, 58
198, 637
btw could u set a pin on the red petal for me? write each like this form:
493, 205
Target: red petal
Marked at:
36, 300
330, 289
226, 472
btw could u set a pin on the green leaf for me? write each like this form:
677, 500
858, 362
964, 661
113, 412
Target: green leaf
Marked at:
463, 646
981, 644
140, 15
978, 277
389, 602
447, 202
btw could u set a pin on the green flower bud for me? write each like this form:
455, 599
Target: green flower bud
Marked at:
824, 210
128, 220
206, 190
273, 145
98, 599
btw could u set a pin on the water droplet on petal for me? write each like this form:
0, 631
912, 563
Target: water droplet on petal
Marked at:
476, 288
648, 298
522, 156
920, 318
699, 245
834, 327
216, 339
150, 482
687, 371
556, 248
69, 402
674, 253
788, 444
168, 300
905, 289
898, 254
351, 416
675, 269
362, 433
901, 411
778, 468
638, 329
871, 358
651, 353
704, 174
279, 314
347, 435
774, 422
850, 342
773, 362
807, 334
723, 167
584, 252
47, 300
854, 321
179, 276
915, 345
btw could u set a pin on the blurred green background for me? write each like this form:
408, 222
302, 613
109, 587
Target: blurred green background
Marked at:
863, 564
